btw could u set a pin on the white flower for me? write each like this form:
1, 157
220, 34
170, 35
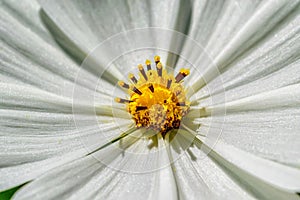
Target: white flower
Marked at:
255, 45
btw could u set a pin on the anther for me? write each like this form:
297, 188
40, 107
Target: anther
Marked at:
119, 100
132, 77
156, 59
180, 104
183, 73
151, 88
134, 89
141, 68
124, 85
159, 69
169, 83
148, 63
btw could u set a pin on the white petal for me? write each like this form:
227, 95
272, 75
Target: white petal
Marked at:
261, 24
50, 185
31, 123
189, 184
271, 64
285, 97
278, 176
31, 154
27, 11
21, 97
89, 23
137, 169
19, 174
23, 143
30, 55
265, 124
197, 175
288, 75
263, 178
88, 178
213, 23
29, 139
165, 186
80, 27
28, 98
269, 135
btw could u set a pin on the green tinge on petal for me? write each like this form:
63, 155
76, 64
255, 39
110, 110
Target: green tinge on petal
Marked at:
7, 194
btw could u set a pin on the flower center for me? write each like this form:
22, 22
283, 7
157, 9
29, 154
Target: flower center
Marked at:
157, 99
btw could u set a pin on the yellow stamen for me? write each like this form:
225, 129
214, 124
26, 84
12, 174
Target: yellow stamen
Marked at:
159, 69
185, 71
182, 73
141, 68
157, 99
156, 59
124, 85
132, 78
119, 100
148, 63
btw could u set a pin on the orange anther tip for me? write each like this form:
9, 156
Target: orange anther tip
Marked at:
121, 83
140, 66
156, 58
185, 71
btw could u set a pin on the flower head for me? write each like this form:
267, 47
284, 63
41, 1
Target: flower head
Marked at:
157, 99
216, 116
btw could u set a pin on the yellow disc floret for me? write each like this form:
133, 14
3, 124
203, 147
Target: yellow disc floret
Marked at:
157, 99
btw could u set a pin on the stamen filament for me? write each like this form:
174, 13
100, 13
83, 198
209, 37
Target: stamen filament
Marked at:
132, 78
148, 63
159, 69
119, 100
141, 68
134, 89
138, 108
181, 104
183, 73
157, 59
169, 83
151, 87
123, 84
